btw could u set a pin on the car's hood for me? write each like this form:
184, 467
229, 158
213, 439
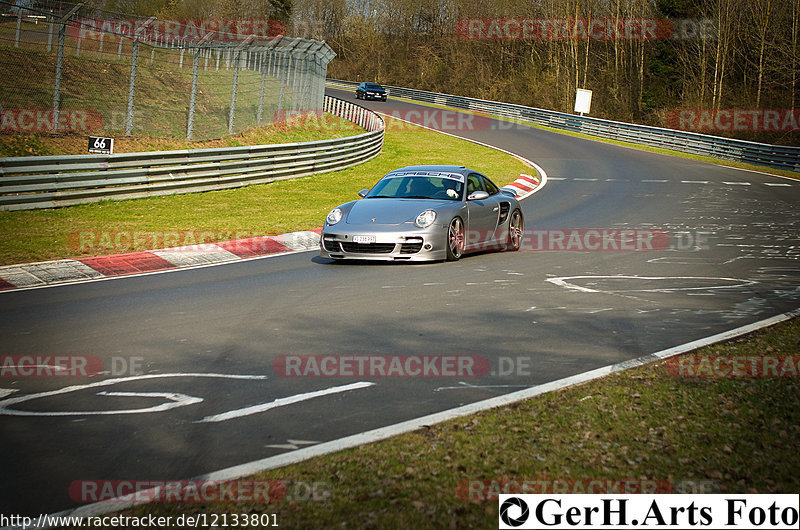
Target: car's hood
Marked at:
391, 211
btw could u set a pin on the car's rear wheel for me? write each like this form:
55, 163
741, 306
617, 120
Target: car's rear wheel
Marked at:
516, 230
455, 239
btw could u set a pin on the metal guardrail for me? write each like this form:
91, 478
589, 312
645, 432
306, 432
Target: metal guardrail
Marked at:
776, 156
28, 183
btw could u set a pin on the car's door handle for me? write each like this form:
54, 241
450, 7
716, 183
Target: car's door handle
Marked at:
495, 208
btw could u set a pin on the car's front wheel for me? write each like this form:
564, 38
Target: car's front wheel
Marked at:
516, 230
455, 239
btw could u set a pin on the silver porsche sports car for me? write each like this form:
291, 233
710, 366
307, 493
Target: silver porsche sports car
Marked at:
422, 213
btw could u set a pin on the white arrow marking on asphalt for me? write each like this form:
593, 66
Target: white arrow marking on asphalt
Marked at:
174, 401
6, 403
734, 283
281, 402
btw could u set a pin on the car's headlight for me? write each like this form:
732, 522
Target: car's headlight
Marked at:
334, 216
425, 219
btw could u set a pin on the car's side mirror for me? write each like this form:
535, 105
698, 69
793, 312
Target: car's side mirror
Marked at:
479, 195
363, 193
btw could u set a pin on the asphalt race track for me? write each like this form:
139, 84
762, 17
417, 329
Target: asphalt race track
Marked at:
201, 394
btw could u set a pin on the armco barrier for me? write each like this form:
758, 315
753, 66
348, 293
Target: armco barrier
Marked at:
28, 183
776, 156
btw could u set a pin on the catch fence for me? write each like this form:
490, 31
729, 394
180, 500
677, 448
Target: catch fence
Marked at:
71, 68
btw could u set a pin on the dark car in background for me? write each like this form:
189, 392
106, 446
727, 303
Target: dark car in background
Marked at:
370, 91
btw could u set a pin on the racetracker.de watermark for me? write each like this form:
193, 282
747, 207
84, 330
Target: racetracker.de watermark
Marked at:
381, 366
593, 240
737, 120
764, 366
198, 491
190, 240
46, 121
59, 366
490, 489
405, 120
227, 30
582, 29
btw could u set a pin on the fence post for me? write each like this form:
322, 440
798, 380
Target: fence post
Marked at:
51, 18
132, 87
261, 92
193, 94
283, 83
236, 67
19, 27
60, 63
294, 83
132, 84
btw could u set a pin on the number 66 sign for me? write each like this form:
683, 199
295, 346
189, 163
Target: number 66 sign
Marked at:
101, 146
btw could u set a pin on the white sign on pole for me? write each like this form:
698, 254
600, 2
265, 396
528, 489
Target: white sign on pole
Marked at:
583, 101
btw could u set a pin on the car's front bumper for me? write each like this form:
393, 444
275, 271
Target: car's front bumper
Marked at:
412, 245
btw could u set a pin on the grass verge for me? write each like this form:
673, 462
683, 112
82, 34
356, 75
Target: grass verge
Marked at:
644, 426
306, 128
279, 207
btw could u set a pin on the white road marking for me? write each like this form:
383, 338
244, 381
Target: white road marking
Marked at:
694, 182
777, 184
655, 180
179, 402
292, 444
736, 183
585, 179
282, 402
556, 178
563, 282
463, 385
6, 392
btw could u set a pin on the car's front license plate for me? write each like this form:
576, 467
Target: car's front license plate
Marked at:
363, 239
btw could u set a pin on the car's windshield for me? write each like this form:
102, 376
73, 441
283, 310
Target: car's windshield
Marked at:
419, 185
373, 86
